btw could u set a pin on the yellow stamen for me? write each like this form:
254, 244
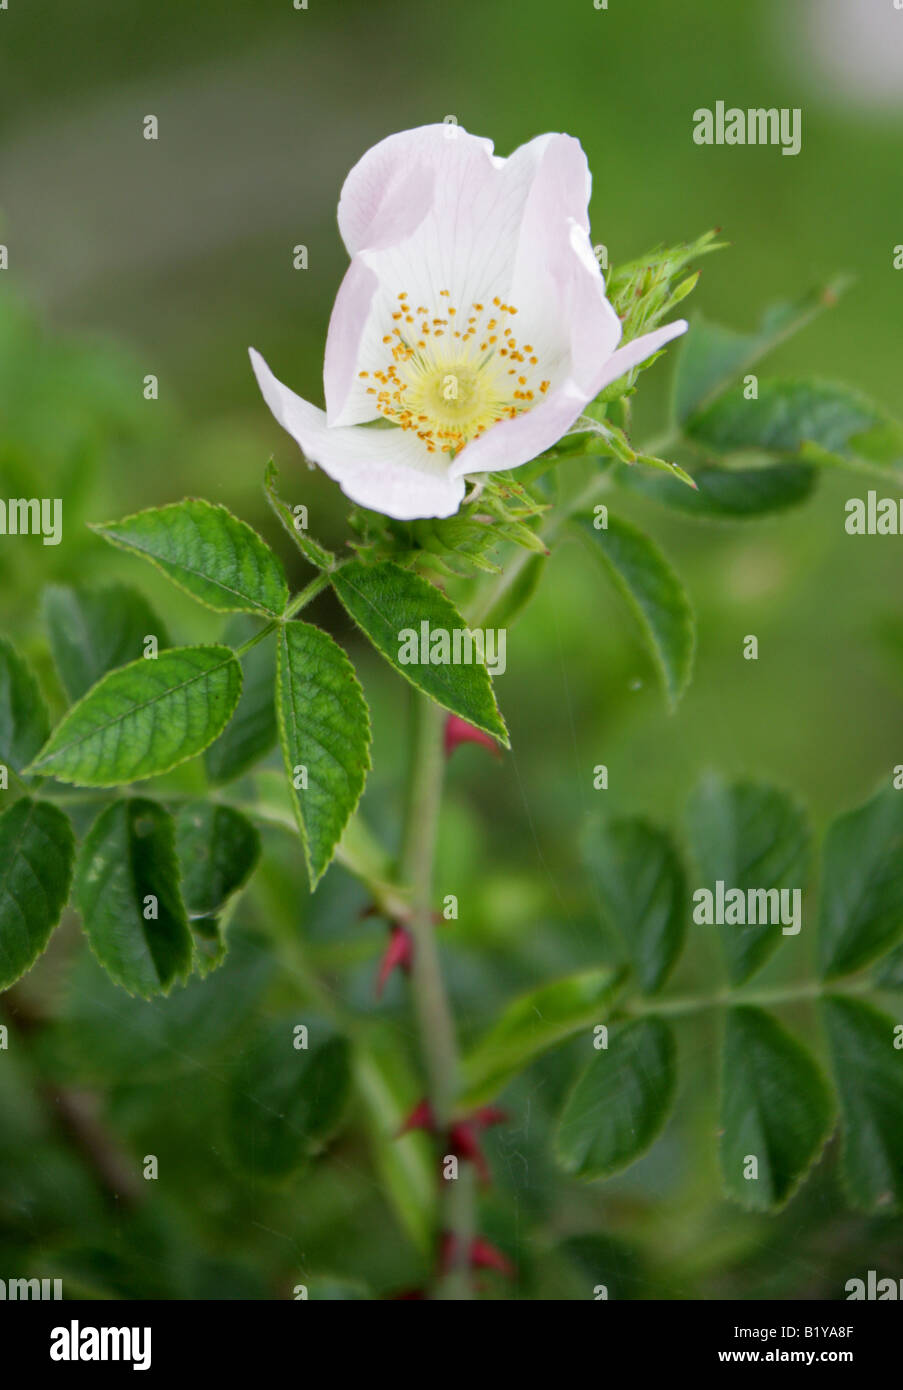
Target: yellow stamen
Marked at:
451, 393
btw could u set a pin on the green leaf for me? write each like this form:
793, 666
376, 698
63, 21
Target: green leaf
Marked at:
712, 356
327, 1288
609, 1261
144, 718
93, 631
776, 1107
285, 1101
312, 551
407, 1166
24, 723
37, 848
645, 291
460, 544
749, 835
252, 731
820, 422
868, 1068
210, 947
208, 552
510, 604
620, 1102
127, 891
531, 1025
472, 541
324, 727
105, 1034
861, 900
729, 494
655, 594
673, 470
386, 602
218, 849
889, 974
643, 892
609, 438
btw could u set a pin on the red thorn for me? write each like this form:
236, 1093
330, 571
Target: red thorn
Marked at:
482, 1255
397, 955
465, 1145
490, 1115
447, 1246
459, 731
462, 1134
485, 1256
421, 1117
462, 1137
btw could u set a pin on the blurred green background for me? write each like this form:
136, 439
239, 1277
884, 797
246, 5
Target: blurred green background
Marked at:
129, 257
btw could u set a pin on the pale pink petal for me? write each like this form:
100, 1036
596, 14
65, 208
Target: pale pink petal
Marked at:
387, 470
595, 329
355, 336
517, 441
556, 282
636, 351
467, 244
388, 191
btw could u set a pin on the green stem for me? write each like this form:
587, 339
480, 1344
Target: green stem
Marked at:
301, 600
594, 489
18, 784
491, 596
786, 994
431, 1004
460, 1219
417, 854
309, 592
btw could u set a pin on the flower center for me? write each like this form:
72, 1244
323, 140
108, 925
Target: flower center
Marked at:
450, 377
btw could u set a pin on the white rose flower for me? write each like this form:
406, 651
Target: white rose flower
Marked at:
473, 318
